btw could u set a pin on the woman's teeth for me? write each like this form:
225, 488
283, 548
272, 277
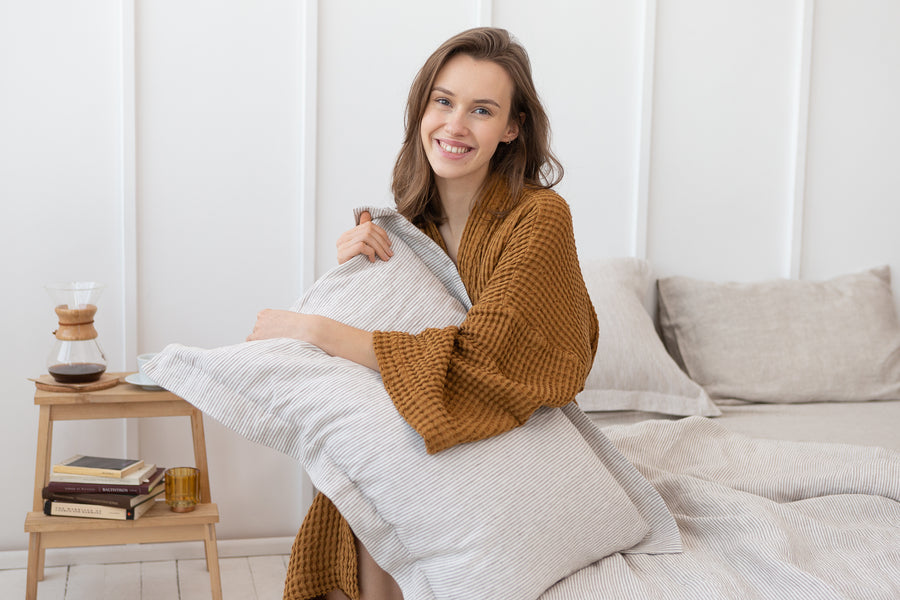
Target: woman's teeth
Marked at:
453, 149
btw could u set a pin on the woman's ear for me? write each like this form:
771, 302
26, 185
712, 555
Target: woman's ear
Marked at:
512, 131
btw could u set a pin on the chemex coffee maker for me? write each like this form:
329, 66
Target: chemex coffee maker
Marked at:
76, 356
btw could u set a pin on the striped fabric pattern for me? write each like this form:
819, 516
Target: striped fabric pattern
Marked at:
505, 517
760, 519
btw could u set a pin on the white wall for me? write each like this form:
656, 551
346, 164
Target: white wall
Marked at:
200, 158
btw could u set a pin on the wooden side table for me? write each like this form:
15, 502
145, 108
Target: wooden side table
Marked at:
159, 524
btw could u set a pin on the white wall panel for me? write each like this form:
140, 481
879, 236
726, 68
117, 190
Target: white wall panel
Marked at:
721, 185
852, 211
59, 215
219, 120
586, 58
369, 53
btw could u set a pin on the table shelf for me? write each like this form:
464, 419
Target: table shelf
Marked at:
159, 524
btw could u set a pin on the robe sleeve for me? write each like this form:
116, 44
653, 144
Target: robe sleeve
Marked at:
528, 340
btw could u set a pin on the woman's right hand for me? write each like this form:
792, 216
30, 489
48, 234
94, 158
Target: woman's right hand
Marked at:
366, 238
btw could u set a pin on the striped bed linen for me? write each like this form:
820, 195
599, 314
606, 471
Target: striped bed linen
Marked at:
550, 497
759, 519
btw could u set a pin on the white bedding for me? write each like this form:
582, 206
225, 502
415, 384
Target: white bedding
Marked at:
759, 518
865, 424
762, 519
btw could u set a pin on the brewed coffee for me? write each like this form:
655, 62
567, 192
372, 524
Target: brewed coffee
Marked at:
77, 372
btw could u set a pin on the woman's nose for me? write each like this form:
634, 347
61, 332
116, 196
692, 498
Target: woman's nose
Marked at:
455, 123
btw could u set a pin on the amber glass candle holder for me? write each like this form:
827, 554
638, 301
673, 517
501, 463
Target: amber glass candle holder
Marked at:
182, 488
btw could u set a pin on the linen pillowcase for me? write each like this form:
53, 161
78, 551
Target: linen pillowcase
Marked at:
786, 341
548, 498
632, 370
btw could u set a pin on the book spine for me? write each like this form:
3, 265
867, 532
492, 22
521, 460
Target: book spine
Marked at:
97, 488
93, 511
116, 500
149, 476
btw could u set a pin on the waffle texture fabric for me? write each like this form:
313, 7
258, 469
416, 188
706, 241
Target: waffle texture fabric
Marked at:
528, 341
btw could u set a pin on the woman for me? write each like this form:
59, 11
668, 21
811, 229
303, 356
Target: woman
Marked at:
474, 173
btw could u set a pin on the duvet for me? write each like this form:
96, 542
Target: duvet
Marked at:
556, 509
758, 518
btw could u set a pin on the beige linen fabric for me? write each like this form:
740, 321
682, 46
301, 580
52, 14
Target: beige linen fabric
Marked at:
786, 340
760, 519
631, 369
547, 498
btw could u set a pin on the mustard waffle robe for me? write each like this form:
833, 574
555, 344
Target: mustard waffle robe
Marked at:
528, 341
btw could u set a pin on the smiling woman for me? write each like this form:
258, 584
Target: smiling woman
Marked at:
474, 174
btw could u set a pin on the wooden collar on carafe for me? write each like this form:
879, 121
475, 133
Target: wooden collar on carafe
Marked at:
76, 323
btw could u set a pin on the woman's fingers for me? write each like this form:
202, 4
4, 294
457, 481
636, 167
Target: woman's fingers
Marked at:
367, 238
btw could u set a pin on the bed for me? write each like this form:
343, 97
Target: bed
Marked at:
872, 424
731, 449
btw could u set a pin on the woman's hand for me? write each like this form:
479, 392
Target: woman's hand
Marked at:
334, 337
272, 324
366, 238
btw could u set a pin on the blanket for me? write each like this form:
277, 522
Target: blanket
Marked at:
759, 519
555, 509
550, 496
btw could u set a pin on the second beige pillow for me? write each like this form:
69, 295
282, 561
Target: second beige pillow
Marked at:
786, 340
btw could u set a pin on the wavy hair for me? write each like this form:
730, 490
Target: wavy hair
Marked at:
527, 160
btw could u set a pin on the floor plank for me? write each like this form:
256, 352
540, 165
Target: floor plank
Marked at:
268, 574
53, 587
159, 580
243, 578
122, 581
237, 582
104, 582
193, 580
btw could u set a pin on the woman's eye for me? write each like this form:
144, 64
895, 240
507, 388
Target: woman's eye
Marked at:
443, 101
482, 111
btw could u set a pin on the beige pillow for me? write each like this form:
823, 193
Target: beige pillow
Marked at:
786, 340
631, 369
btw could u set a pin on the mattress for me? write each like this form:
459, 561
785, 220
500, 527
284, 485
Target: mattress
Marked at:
861, 423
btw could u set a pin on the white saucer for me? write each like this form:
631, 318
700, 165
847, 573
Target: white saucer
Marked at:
144, 382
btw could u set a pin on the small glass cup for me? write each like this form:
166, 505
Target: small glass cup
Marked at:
182, 488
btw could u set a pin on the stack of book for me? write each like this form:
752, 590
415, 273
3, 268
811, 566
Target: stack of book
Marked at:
102, 488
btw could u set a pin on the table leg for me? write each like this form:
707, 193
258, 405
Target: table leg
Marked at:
34, 565
212, 562
200, 454
42, 457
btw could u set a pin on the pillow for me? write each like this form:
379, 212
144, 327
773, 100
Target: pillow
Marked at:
632, 370
786, 340
503, 517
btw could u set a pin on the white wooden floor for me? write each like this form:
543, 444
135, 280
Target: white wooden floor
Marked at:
243, 578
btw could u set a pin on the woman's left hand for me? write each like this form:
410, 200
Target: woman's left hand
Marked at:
272, 323
334, 337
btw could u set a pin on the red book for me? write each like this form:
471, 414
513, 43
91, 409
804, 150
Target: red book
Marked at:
117, 500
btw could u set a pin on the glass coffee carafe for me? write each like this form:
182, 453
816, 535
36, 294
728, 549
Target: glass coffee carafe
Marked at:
76, 356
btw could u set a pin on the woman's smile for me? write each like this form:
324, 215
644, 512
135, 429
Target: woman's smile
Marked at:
453, 148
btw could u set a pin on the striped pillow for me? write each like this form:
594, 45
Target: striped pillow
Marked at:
504, 517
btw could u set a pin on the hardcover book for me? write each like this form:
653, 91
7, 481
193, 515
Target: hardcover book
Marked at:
96, 511
118, 500
138, 478
98, 466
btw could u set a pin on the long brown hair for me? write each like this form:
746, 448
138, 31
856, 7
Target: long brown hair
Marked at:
527, 160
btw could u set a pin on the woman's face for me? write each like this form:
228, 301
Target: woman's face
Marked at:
467, 116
